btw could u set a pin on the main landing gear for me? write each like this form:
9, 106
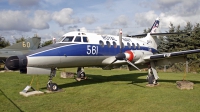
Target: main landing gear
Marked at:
152, 76
50, 85
80, 74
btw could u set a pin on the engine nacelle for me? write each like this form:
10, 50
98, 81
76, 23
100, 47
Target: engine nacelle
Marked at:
133, 55
17, 63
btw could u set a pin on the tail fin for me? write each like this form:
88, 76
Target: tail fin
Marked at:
154, 28
28, 44
152, 41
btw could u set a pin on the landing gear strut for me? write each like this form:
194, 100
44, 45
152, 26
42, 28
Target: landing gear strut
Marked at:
50, 85
80, 74
152, 76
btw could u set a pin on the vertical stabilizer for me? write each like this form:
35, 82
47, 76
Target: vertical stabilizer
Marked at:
152, 41
154, 28
28, 44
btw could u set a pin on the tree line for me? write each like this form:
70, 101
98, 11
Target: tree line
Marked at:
181, 42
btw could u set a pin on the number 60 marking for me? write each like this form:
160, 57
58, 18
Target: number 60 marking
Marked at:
26, 44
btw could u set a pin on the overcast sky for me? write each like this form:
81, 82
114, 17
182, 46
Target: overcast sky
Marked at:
53, 18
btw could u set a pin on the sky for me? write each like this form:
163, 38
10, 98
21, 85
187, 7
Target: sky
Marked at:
54, 18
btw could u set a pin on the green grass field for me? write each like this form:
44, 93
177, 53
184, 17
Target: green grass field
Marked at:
104, 91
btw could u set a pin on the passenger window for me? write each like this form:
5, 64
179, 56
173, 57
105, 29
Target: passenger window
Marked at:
85, 39
138, 46
129, 45
68, 39
77, 39
108, 44
133, 45
101, 43
114, 44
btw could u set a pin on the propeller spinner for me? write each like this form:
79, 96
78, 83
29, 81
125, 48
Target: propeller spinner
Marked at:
128, 56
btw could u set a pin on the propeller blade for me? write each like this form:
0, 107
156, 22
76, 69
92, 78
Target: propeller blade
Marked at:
110, 64
132, 64
120, 40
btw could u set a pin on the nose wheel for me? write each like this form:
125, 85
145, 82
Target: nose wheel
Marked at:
50, 85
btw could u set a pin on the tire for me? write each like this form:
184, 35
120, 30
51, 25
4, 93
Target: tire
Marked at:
82, 75
53, 87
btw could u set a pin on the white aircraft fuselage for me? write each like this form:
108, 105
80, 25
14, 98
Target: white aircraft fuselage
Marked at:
90, 49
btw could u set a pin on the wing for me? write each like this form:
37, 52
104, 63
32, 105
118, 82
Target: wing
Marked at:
169, 58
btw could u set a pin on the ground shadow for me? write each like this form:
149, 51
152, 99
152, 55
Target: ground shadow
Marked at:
129, 78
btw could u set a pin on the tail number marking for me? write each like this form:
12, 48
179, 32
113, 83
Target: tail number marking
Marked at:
92, 50
26, 44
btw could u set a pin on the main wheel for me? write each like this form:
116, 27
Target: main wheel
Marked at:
53, 87
82, 75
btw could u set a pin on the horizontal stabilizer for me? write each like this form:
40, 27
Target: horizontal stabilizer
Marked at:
160, 34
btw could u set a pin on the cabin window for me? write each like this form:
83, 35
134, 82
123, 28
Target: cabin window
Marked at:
114, 44
101, 43
133, 45
108, 44
68, 39
138, 46
85, 39
129, 45
77, 39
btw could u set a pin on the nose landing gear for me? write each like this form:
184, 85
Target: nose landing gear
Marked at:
50, 85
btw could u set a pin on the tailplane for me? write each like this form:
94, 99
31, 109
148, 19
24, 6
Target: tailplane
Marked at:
28, 44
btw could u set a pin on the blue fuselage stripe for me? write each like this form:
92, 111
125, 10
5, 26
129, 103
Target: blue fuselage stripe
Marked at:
84, 50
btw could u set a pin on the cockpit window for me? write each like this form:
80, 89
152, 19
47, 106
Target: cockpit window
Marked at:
77, 39
61, 39
68, 39
85, 39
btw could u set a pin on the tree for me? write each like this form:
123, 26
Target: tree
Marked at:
46, 43
18, 40
3, 42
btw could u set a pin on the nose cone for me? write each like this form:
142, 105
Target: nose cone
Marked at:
12, 63
16, 62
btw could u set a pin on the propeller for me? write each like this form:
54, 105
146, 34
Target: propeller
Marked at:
122, 56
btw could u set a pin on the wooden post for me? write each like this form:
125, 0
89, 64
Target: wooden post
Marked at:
164, 68
186, 69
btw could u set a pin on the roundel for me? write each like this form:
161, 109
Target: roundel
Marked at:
130, 55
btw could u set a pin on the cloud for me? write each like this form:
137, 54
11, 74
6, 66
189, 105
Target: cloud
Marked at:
24, 3
146, 18
22, 21
41, 19
89, 19
14, 20
122, 20
72, 28
64, 17
177, 7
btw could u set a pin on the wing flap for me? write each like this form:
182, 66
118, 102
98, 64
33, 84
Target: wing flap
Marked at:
171, 55
169, 58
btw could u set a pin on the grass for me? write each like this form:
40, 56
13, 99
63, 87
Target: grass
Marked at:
105, 91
